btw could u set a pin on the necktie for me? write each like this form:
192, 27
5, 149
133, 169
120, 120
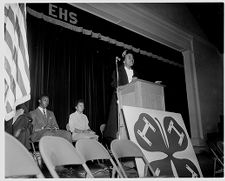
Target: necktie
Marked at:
44, 111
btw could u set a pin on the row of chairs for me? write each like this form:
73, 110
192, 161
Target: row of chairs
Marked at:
56, 151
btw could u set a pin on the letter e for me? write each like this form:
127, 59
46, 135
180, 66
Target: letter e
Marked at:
51, 10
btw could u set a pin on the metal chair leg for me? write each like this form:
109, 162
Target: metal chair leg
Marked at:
36, 155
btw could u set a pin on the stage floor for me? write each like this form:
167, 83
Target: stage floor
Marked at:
205, 160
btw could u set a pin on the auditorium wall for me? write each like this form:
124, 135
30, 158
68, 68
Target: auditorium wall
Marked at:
209, 70
208, 64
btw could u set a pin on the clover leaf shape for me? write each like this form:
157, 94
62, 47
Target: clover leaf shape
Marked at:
168, 138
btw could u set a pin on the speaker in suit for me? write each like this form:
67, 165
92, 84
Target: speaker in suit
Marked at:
126, 75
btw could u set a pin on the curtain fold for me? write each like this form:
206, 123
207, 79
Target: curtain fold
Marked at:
68, 66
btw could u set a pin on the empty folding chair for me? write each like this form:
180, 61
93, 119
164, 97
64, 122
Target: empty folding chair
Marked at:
18, 161
216, 148
93, 150
57, 151
128, 149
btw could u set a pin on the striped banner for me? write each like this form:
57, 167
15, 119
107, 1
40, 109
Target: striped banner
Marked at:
16, 59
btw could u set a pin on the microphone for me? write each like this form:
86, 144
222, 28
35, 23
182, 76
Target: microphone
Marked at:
118, 59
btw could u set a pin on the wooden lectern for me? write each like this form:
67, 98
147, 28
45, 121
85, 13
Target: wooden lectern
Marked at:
139, 93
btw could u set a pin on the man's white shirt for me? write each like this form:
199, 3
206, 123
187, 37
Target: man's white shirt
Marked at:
130, 73
42, 110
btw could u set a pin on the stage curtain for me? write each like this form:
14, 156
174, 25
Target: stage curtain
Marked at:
67, 66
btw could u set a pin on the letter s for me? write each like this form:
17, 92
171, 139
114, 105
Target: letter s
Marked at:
73, 18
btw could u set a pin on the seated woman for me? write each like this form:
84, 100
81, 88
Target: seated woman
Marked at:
79, 124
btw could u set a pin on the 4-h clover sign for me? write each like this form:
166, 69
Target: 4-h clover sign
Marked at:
164, 140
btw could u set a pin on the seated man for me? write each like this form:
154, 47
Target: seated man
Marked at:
22, 126
44, 122
79, 124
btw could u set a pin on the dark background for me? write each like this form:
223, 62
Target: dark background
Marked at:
68, 65
210, 17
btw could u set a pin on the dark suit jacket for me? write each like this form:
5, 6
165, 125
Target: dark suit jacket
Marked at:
111, 126
41, 126
22, 129
39, 120
123, 79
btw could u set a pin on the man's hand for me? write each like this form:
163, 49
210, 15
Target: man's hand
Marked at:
90, 131
158, 82
134, 78
38, 129
85, 131
50, 128
78, 130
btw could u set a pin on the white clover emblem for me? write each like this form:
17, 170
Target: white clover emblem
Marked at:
169, 139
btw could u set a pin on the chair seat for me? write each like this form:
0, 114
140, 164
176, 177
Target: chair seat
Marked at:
72, 171
77, 171
100, 170
131, 172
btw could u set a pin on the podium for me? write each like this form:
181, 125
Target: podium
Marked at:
139, 93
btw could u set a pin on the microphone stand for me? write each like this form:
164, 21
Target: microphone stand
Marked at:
117, 102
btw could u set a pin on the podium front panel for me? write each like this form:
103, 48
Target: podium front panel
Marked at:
127, 95
142, 94
151, 96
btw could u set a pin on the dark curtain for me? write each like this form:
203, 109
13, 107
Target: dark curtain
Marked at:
172, 77
68, 65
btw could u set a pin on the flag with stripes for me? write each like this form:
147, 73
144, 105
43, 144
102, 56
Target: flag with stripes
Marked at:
16, 59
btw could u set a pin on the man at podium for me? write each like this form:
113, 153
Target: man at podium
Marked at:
125, 75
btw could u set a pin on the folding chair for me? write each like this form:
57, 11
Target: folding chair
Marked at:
127, 149
18, 160
57, 151
93, 150
36, 153
218, 154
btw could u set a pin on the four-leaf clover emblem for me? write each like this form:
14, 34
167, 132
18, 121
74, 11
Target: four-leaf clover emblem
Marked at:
169, 139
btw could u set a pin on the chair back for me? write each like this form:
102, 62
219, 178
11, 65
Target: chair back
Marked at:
127, 148
93, 150
57, 151
18, 160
